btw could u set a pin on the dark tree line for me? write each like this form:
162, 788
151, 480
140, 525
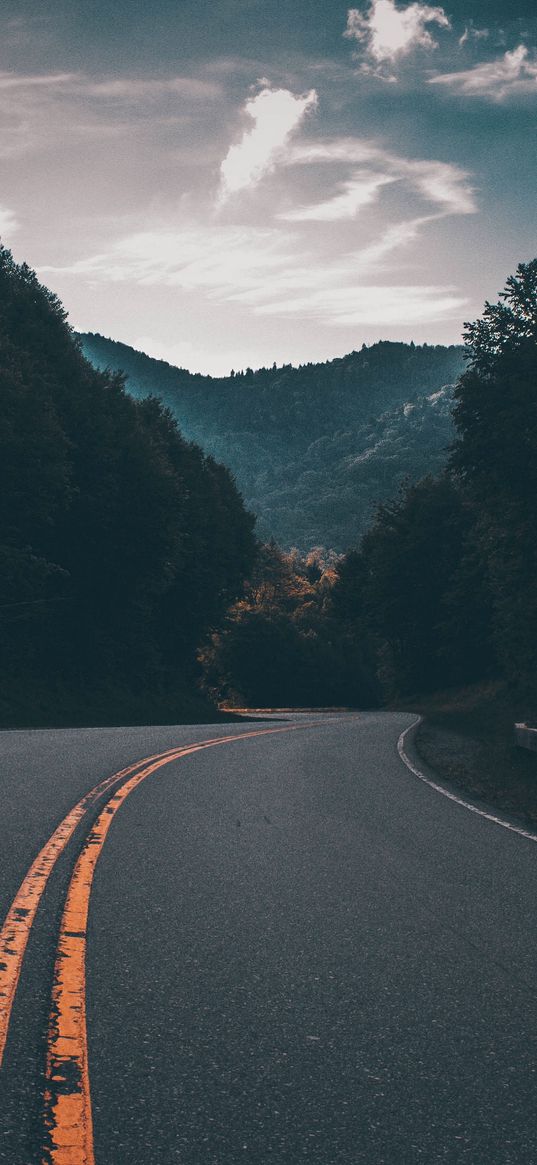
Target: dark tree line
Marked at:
441, 591
282, 644
124, 549
121, 544
444, 581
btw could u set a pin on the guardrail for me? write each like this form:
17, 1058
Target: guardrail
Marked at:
526, 737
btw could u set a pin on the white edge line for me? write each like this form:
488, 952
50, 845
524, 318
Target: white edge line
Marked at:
452, 796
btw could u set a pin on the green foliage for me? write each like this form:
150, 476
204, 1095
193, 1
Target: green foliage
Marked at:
495, 456
406, 584
121, 544
280, 644
445, 577
315, 448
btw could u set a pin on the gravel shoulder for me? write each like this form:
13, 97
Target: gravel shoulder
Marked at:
467, 738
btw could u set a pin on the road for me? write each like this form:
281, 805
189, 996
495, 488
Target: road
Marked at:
295, 951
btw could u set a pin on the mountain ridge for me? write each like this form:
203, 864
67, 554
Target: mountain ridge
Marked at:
313, 448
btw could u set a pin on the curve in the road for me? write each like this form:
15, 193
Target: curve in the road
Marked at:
21, 915
401, 748
67, 1099
20, 918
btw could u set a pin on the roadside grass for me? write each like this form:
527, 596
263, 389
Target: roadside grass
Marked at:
467, 737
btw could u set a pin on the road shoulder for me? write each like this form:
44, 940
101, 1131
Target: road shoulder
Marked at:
465, 742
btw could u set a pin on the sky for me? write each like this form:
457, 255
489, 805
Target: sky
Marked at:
255, 181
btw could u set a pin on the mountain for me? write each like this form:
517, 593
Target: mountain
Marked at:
313, 449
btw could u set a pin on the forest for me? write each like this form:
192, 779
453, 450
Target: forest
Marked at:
313, 449
444, 580
121, 544
439, 593
136, 587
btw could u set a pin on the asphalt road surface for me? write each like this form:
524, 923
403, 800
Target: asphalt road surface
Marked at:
295, 951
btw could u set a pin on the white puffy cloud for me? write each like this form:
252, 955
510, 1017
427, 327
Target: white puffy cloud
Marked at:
388, 32
276, 113
513, 75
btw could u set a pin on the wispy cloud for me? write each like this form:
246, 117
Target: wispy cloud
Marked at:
8, 223
79, 85
140, 88
276, 113
513, 75
357, 192
38, 108
29, 81
271, 272
442, 183
284, 268
472, 33
397, 306
219, 258
388, 33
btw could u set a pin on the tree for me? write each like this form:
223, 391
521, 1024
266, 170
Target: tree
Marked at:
281, 645
495, 458
414, 585
121, 544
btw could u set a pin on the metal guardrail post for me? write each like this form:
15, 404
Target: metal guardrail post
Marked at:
526, 737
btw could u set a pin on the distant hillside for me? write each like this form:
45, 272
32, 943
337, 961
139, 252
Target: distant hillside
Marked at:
314, 448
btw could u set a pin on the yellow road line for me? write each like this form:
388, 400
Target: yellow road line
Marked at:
20, 917
68, 1119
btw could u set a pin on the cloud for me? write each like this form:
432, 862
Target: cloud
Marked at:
399, 235
472, 33
513, 75
310, 273
217, 258
43, 109
283, 268
394, 306
133, 88
444, 184
388, 32
360, 190
139, 88
272, 272
8, 223
35, 81
276, 113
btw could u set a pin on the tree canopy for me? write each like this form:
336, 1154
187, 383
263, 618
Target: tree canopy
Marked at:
314, 449
121, 543
445, 577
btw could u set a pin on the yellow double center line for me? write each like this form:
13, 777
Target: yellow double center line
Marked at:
20, 917
68, 1119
